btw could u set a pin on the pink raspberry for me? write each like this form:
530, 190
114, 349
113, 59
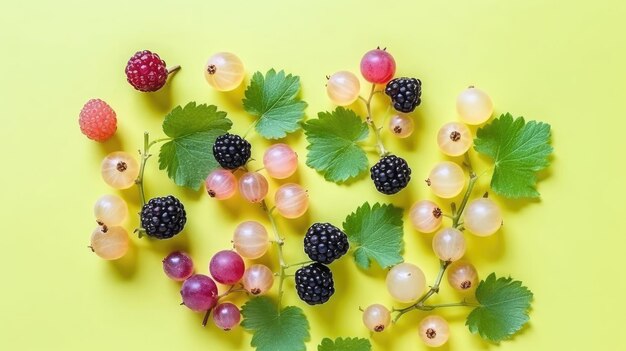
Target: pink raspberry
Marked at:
97, 120
146, 71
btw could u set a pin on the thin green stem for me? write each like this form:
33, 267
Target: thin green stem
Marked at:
453, 304
470, 187
279, 245
298, 264
144, 158
145, 155
370, 121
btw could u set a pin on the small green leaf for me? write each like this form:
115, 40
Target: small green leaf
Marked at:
188, 156
503, 310
274, 330
273, 99
376, 232
519, 150
347, 344
333, 144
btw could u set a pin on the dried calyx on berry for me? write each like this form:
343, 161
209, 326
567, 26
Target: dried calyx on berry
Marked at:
163, 217
405, 93
231, 151
390, 174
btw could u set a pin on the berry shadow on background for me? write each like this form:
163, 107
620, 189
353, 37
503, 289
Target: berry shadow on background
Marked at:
161, 100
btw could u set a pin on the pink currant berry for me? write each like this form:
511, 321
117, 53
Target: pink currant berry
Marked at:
378, 66
146, 71
97, 120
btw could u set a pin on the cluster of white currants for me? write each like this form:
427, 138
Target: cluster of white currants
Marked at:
406, 282
110, 240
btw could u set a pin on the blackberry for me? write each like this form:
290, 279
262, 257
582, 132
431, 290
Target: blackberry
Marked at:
405, 93
314, 283
325, 243
391, 174
231, 151
163, 217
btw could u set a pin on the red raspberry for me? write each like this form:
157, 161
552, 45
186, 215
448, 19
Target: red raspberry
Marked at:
146, 71
97, 120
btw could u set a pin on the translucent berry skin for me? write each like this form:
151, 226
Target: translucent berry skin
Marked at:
406, 282
434, 331
110, 210
227, 267
378, 66
376, 318
280, 161
251, 240
97, 120
462, 276
119, 170
449, 244
253, 186
401, 125
343, 88
446, 179
426, 216
199, 293
178, 266
454, 139
291, 200
482, 217
221, 184
474, 106
110, 243
258, 279
226, 316
146, 72
224, 71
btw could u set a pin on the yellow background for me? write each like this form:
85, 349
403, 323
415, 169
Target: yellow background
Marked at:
559, 62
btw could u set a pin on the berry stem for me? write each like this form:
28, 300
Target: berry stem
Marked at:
370, 121
206, 317
279, 245
299, 264
144, 158
173, 69
470, 187
145, 155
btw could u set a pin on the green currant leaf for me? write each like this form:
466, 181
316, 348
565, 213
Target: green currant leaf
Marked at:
519, 150
272, 98
347, 344
188, 156
274, 330
333, 144
503, 310
376, 233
